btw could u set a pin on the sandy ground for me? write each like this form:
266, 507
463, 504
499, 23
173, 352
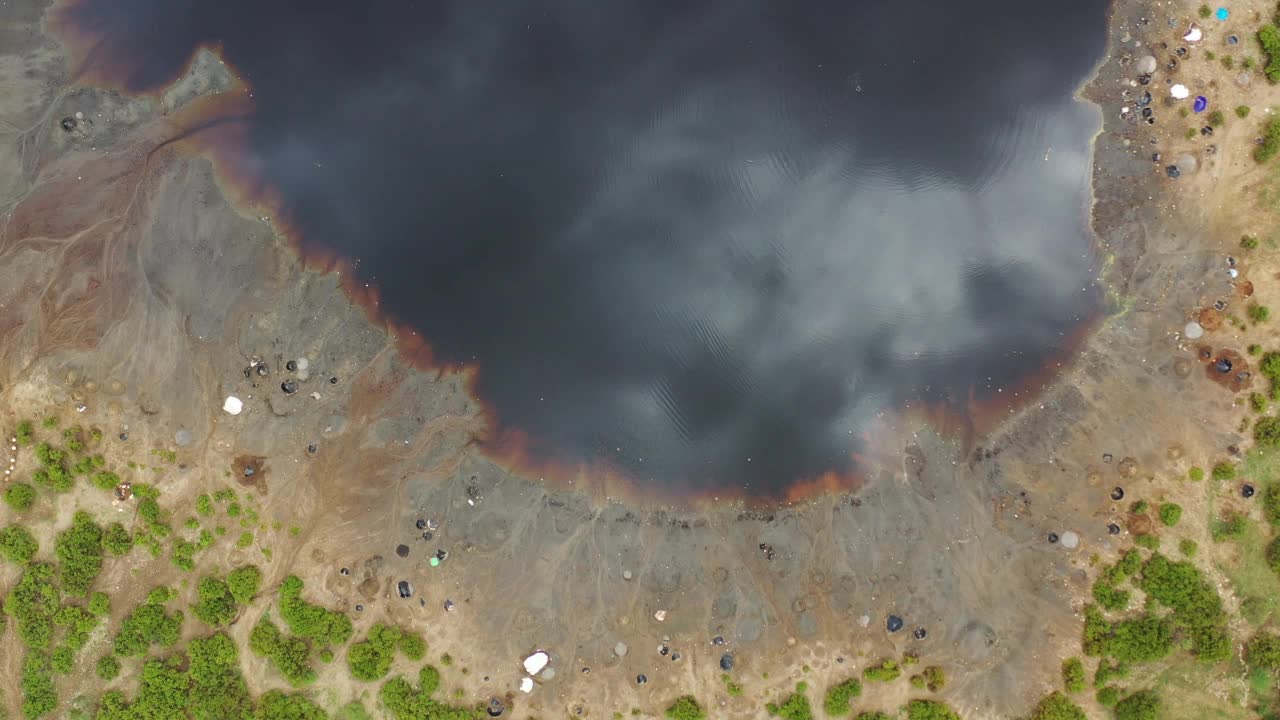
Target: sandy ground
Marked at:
128, 283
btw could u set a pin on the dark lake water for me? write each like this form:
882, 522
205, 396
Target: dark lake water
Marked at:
704, 242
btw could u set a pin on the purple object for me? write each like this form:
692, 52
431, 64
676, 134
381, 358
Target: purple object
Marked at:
1201, 103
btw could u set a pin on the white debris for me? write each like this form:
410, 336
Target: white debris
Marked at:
1195, 34
526, 685
660, 615
232, 405
536, 662
864, 620
1179, 91
1147, 64
1070, 540
302, 363
626, 574
620, 649
1193, 331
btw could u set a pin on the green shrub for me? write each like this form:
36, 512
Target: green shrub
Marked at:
1149, 541
105, 480
1254, 349
79, 551
1271, 503
1195, 474
1269, 38
276, 705
1140, 640
20, 497
26, 433
1057, 706
50, 422
160, 595
108, 667
793, 707
1197, 608
1242, 112
1096, 631
1263, 651
930, 710
33, 603
214, 605
1230, 526
1258, 313
402, 701
1216, 118
1266, 432
371, 658
1170, 513
1142, 705
1270, 135
1129, 563
99, 604
39, 696
886, 671
204, 505
146, 626
1108, 696
290, 655
62, 660
18, 545
1187, 547
117, 540
874, 715
686, 708
838, 696
328, 627
934, 678
1073, 675
1258, 402
244, 583
1224, 471
1109, 597
1108, 671
183, 554
1205, 11
412, 646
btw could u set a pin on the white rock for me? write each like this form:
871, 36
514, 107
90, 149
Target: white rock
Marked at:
1070, 540
232, 405
526, 685
620, 649
1193, 331
660, 615
865, 620
536, 662
1179, 91
1146, 65
303, 363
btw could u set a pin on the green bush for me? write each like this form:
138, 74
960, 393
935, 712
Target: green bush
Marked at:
1230, 526
204, 505
39, 696
290, 655
412, 646
371, 658
1142, 705
886, 671
874, 715
1205, 11
1224, 471
1149, 541
1263, 651
1096, 631
276, 705
17, 545
79, 551
1242, 112
1273, 554
1108, 696
1258, 402
26, 433
108, 667
217, 689
1187, 547
793, 707
33, 602
244, 583
839, 695
1197, 609
146, 626
402, 701
183, 554
214, 605
1073, 675
1170, 513
1140, 640
1266, 432
117, 540
328, 627
1216, 118
929, 710
1195, 474
1057, 706
62, 660
99, 604
105, 480
1258, 313
161, 594
1108, 671
686, 708
1109, 597
1270, 135
1271, 503
20, 497
1269, 38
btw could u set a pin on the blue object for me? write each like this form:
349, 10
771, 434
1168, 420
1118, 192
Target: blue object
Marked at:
1223, 14
894, 624
1201, 103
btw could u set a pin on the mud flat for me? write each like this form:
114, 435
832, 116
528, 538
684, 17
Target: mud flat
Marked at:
136, 297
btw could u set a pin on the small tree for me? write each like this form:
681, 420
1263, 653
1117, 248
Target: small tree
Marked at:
838, 696
1170, 513
1142, 705
1263, 651
1259, 313
686, 708
1072, 675
1057, 706
1267, 432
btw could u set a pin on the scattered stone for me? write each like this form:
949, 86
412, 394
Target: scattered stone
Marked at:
359, 608
496, 708
68, 124
420, 524
262, 369
232, 405
675, 656
864, 620
448, 605
291, 366
344, 571
312, 448
620, 649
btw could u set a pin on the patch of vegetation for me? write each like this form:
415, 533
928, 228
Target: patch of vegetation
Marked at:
1149, 541
18, 545
836, 702
243, 582
117, 540
793, 707
1108, 671
1269, 38
146, 626
1224, 471
25, 433
1242, 112
1108, 596
1263, 651
105, 480
20, 497
50, 422
1216, 118
32, 603
1057, 706
62, 660
1270, 134
1170, 513
215, 605
930, 710
1073, 675
734, 689
52, 474
328, 627
370, 659
217, 688
404, 702
886, 671
686, 708
204, 505
276, 705
1266, 432
183, 554
1258, 313
1195, 474
1187, 547
1108, 696
79, 551
1205, 11
1258, 402
1142, 705
99, 604
1230, 526
290, 655
1197, 609
39, 696
108, 667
